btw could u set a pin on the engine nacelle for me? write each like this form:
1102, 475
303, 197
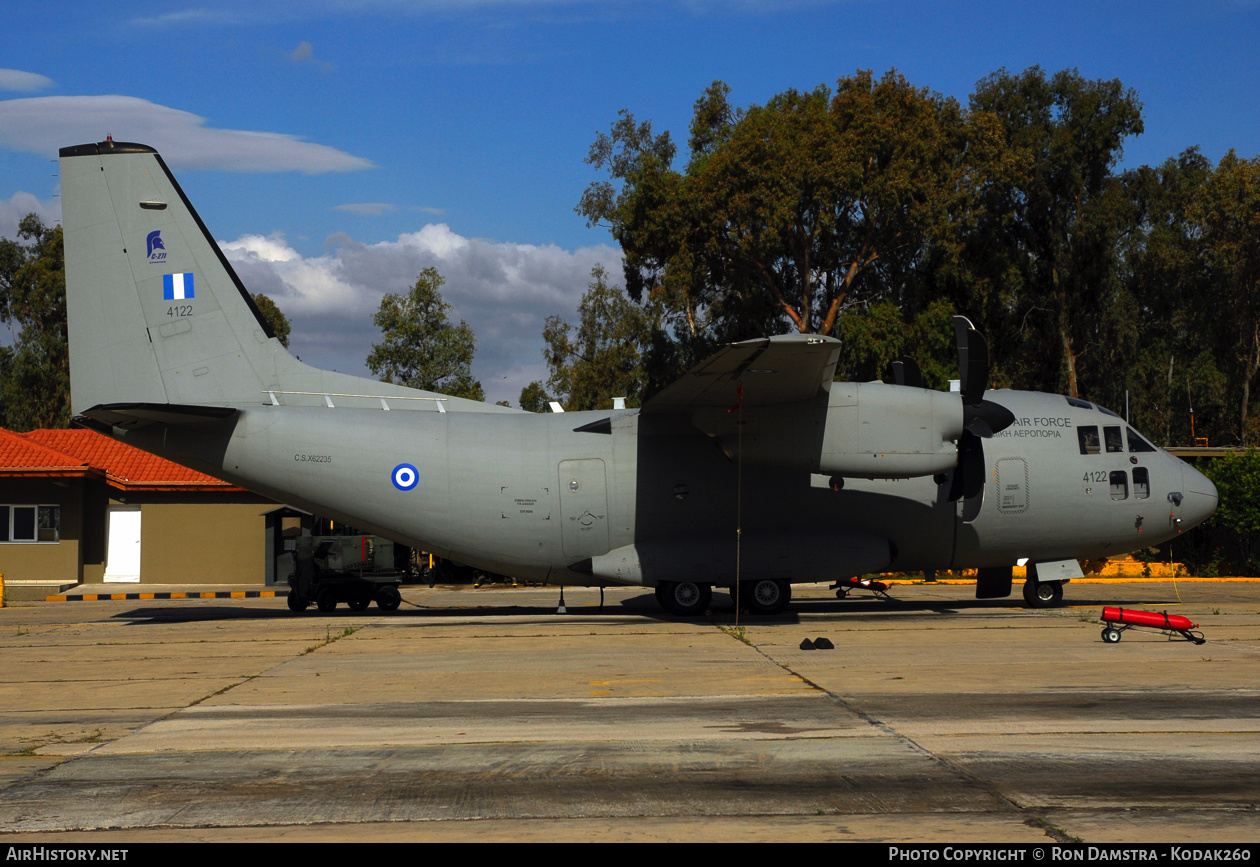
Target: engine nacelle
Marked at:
863, 430
890, 431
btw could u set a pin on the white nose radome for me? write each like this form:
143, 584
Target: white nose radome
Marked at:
1199, 497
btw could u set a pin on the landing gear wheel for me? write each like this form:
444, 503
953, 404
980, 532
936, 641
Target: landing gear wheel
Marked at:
767, 596
1111, 635
326, 601
359, 604
388, 598
684, 598
1039, 594
297, 602
842, 593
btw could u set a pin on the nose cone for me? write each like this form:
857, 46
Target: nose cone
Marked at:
1200, 497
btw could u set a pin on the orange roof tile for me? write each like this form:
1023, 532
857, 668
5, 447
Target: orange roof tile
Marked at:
21, 456
125, 466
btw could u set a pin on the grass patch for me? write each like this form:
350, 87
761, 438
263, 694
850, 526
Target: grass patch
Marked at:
329, 638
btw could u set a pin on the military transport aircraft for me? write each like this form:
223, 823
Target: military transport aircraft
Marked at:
753, 467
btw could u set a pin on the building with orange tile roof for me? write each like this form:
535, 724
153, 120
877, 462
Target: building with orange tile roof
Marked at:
77, 506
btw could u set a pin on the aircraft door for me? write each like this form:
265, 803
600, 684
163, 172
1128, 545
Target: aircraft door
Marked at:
1012, 485
583, 508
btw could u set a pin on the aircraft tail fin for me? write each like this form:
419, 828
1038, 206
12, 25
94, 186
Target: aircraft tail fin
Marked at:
158, 316
156, 313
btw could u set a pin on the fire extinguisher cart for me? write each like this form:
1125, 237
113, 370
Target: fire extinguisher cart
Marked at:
1118, 620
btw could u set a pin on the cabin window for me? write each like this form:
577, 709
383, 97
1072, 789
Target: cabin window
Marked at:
1119, 485
1141, 484
1088, 436
1106, 411
1137, 444
30, 523
1080, 404
1115, 443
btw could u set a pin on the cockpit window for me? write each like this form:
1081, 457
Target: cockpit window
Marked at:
1111, 433
1137, 444
1106, 411
1088, 436
1077, 402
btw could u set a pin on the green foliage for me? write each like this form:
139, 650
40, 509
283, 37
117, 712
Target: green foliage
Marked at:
421, 349
873, 210
534, 397
787, 212
35, 371
1237, 480
1227, 209
602, 357
1042, 252
274, 316
875, 337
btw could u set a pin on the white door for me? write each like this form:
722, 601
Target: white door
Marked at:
122, 544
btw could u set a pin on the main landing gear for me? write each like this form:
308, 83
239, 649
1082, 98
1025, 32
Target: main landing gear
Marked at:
691, 599
684, 598
765, 595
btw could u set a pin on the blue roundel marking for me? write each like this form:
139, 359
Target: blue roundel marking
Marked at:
404, 477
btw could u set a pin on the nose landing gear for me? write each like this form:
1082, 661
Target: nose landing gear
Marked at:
1043, 594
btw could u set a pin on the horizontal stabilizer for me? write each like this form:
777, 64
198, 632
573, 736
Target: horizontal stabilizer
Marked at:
132, 415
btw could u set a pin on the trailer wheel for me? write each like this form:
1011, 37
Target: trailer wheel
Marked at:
1111, 635
326, 601
297, 602
388, 598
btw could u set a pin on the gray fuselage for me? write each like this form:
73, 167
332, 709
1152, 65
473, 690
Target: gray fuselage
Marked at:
529, 495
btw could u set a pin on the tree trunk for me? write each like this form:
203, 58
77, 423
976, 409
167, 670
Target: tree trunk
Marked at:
1070, 357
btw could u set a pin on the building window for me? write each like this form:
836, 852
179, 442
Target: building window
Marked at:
33, 523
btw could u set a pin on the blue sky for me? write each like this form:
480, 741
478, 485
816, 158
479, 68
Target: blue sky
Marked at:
337, 148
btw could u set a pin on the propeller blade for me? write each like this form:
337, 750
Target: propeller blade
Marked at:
905, 371
970, 476
973, 360
972, 506
981, 417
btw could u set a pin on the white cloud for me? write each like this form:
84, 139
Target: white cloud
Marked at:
21, 204
371, 209
43, 124
16, 79
504, 291
195, 18
305, 53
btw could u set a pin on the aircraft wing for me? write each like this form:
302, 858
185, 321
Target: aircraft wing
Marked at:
788, 368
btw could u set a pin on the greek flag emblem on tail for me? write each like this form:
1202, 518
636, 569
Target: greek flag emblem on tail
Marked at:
177, 287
